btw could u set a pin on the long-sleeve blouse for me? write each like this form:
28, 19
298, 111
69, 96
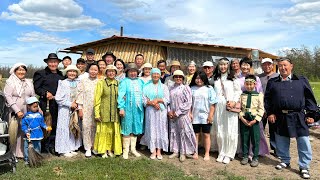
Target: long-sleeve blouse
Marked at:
105, 100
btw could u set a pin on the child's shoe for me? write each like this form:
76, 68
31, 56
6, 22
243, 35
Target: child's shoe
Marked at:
254, 163
244, 161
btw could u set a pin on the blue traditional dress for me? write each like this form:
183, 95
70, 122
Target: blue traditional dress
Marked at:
130, 100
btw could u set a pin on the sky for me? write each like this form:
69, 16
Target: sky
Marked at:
31, 29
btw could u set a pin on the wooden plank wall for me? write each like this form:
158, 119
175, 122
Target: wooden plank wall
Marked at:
127, 51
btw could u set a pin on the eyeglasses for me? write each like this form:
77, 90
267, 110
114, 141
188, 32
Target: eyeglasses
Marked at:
178, 76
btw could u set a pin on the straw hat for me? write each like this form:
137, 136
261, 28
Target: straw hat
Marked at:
71, 67
111, 67
178, 73
146, 65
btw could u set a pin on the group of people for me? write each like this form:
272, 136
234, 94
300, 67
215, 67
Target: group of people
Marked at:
121, 105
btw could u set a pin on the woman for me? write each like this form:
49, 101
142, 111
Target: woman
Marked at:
16, 90
108, 134
162, 64
235, 66
175, 65
246, 65
225, 126
85, 101
121, 67
202, 111
102, 69
45, 84
191, 70
156, 99
130, 104
66, 96
145, 76
182, 137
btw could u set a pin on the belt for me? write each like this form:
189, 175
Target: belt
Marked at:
284, 111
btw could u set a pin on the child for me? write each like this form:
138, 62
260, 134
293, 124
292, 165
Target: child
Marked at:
202, 111
31, 126
252, 110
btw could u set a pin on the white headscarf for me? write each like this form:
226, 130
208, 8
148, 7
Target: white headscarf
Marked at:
14, 80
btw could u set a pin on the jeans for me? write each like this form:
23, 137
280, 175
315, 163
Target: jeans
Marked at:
36, 146
303, 146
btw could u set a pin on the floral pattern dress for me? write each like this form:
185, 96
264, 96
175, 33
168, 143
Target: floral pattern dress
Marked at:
85, 100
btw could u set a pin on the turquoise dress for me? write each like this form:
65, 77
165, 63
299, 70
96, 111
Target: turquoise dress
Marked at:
130, 100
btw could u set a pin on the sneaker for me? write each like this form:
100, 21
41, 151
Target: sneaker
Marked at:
244, 161
254, 163
68, 154
173, 155
304, 173
226, 160
182, 157
26, 163
282, 166
220, 158
88, 153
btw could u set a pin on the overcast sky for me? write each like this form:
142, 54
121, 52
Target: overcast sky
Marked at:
31, 29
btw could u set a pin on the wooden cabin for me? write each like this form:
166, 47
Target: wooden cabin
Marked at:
126, 48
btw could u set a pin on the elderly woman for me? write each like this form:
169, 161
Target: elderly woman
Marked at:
235, 66
85, 101
16, 90
45, 85
130, 103
120, 66
145, 76
191, 70
156, 99
66, 96
225, 126
108, 134
182, 136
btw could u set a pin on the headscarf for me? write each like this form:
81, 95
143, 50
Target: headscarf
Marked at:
150, 89
14, 80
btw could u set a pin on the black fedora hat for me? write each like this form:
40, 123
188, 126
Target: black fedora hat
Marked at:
52, 56
109, 54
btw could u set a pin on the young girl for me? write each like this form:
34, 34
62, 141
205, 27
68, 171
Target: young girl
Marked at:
31, 125
146, 69
202, 110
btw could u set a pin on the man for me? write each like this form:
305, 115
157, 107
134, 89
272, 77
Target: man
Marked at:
290, 104
66, 61
208, 67
90, 57
109, 58
45, 84
139, 61
267, 67
81, 65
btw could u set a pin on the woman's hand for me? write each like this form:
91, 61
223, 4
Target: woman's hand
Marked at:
80, 114
171, 114
231, 104
50, 96
74, 105
122, 113
210, 120
20, 115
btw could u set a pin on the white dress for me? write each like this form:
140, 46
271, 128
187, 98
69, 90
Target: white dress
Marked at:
224, 132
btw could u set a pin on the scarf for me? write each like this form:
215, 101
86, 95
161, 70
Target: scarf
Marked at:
18, 84
154, 91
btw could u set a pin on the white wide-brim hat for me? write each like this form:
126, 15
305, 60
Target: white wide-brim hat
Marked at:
71, 67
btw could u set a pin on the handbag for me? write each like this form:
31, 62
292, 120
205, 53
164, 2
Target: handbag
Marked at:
236, 108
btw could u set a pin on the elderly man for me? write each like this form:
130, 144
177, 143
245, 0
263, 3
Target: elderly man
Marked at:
291, 105
90, 57
268, 73
208, 67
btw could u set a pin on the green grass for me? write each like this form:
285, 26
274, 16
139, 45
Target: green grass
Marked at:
316, 90
98, 168
228, 175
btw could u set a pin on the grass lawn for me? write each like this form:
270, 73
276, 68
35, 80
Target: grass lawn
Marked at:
98, 168
316, 90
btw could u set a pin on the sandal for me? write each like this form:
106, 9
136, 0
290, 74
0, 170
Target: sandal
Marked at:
282, 166
304, 173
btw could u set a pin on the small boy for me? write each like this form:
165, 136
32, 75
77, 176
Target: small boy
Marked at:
31, 125
252, 110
